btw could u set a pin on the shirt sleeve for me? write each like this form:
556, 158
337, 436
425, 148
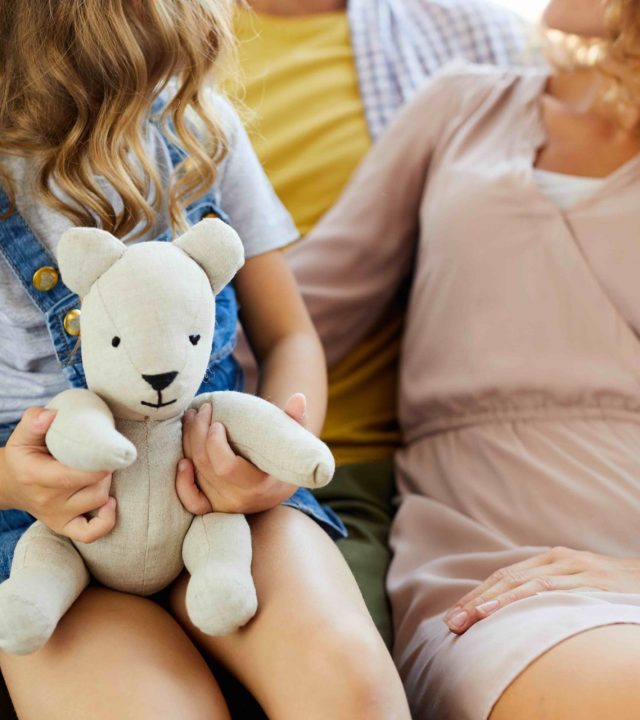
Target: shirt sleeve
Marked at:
245, 193
352, 263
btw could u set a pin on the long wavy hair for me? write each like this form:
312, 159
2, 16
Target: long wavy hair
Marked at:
77, 82
617, 56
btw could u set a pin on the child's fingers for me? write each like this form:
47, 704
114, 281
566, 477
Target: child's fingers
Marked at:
296, 407
49, 473
196, 429
88, 530
219, 453
190, 495
90, 498
32, 428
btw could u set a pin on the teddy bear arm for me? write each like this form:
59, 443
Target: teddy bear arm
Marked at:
266, 436
83, 434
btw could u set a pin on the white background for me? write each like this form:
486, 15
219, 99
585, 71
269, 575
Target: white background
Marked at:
531, 9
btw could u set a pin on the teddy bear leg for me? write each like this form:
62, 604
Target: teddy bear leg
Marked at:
221, 596
47, 575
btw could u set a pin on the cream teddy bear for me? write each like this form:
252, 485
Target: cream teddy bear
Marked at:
147, 328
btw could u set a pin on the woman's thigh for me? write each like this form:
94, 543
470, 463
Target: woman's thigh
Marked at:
312, 650
114, 656
591, 676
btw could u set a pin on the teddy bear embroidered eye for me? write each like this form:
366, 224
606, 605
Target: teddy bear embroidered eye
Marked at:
147, 327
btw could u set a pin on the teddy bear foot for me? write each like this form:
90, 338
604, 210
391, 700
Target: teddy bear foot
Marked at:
220, 599
25, 626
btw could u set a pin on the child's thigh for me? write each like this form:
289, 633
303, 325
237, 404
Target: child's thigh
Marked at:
312, 646
114, 656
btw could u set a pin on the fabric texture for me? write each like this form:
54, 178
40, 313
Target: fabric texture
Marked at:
305, 117
432, 32
519, 395
565, 190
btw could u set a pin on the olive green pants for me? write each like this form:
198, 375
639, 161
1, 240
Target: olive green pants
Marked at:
362, 495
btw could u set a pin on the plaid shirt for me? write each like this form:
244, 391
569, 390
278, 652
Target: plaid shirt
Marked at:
399, 43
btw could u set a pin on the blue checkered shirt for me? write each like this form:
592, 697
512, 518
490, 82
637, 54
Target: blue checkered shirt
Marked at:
399, 43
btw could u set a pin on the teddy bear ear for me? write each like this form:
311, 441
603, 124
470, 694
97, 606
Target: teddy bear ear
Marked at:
84, 254
216, 247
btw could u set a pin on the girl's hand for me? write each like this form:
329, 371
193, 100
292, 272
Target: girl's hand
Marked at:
32, 480
557, 569
212, 478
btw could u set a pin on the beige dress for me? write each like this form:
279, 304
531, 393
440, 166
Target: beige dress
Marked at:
520, 381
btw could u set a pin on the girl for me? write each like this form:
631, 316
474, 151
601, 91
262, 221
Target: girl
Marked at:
513, 198
87, 138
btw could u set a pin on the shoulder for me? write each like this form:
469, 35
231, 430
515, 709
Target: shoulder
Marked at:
461, 82
460, 88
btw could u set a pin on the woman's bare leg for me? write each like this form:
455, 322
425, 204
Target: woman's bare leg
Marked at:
312, 651
592, 676
114, 656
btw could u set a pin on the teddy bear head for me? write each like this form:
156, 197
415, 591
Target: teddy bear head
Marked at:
148, 313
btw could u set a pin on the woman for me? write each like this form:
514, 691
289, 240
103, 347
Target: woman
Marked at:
514, 198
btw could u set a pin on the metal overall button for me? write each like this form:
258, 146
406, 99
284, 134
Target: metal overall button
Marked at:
45, 278
71, 322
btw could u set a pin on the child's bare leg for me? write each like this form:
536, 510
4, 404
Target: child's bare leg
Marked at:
114, 656
312, 650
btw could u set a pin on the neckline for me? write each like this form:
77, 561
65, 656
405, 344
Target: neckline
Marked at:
582, 179
535, 136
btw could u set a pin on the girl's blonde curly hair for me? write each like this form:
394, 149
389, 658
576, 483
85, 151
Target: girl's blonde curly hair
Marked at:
617, 56
77, 82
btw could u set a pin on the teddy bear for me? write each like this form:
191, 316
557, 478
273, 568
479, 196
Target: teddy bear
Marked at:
147, 327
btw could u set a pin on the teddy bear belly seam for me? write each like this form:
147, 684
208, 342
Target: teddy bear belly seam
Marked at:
137, 557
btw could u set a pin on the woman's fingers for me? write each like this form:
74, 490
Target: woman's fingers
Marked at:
470, 614
88, 530
511, 574
190, 495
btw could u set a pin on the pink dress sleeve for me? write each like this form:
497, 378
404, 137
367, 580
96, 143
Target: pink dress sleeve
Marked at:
350, 266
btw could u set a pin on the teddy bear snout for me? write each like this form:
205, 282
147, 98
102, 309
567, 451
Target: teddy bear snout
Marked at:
161, 381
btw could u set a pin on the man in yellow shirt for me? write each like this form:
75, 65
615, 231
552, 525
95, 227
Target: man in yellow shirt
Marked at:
319, 80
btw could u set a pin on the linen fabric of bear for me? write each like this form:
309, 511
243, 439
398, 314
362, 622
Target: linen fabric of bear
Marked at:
147, 327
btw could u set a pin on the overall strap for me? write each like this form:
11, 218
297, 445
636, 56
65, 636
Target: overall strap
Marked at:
29, 260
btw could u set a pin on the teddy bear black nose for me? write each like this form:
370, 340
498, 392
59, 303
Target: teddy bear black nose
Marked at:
161, 381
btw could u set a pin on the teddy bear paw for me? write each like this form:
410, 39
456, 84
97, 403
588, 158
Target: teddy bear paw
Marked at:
221, 600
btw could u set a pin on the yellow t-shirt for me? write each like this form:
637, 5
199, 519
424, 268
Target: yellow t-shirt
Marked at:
306, 121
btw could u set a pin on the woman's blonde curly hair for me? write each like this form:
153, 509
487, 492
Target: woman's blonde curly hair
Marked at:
77, 82
617, 56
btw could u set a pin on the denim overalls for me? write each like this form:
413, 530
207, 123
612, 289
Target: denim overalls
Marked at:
31, 262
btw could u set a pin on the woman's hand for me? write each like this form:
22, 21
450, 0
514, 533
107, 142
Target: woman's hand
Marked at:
212, 478
558, 569
32, 480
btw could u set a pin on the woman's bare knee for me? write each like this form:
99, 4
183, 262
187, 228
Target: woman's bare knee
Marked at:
591, 676
114, 655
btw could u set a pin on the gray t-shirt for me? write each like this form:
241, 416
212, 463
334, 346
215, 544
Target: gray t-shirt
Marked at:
29, 370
